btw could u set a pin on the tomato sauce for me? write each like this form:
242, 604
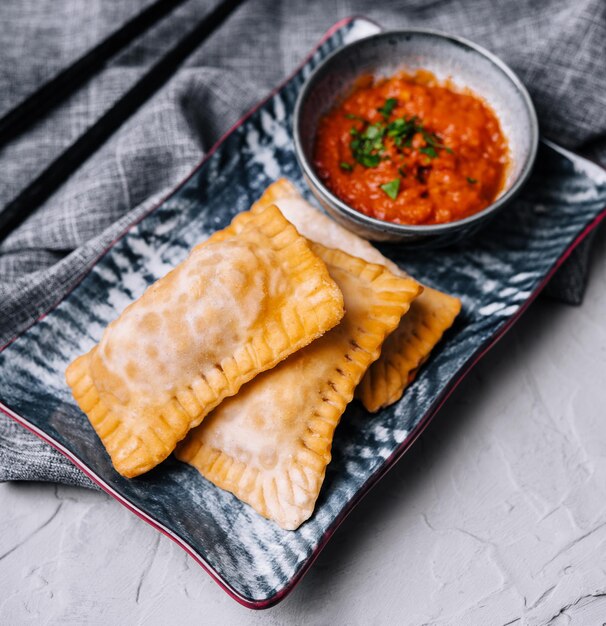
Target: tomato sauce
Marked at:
410, 150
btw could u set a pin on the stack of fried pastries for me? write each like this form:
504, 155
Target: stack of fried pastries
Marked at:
244, 357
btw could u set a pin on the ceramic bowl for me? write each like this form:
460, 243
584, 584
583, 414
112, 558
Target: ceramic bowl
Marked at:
466, 65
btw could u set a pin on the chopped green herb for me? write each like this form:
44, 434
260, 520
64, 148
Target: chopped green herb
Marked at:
402, 131
430, 151
402, 171
375, 131
471, 181
431, 139
392, 188
346, 166
368, 160
367, 146
387, 108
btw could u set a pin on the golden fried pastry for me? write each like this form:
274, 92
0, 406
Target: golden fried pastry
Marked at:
407, 348
237, 306
270, 444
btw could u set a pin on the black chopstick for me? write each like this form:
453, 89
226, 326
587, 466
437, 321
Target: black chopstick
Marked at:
71, 78
59, 170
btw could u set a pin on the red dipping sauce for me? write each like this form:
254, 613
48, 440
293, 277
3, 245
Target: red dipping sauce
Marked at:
410, 150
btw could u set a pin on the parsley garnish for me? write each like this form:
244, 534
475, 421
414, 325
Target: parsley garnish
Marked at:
387, 108
367, 146
433, 141
368, 143
402, 131
430, 151
471, 181
392, 188
375, 131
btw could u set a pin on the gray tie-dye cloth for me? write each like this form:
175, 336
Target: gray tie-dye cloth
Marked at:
556, 46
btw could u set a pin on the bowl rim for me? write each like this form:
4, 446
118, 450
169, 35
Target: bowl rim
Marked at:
419, 229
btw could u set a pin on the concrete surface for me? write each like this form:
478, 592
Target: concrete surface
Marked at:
496, 516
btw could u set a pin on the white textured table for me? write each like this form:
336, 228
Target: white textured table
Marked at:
496, 516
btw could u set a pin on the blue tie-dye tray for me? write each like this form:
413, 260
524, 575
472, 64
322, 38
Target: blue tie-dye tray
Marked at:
496, 276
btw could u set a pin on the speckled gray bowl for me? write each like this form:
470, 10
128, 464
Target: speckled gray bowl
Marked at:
462, 61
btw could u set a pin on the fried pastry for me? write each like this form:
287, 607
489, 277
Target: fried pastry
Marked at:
407, 348
237, 306
270, 444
